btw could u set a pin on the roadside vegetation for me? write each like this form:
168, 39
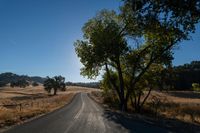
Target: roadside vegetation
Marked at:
196, 87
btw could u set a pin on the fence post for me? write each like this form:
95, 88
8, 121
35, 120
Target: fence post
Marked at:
20, 106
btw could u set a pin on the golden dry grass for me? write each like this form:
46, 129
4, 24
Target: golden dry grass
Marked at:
10, 116
181, 105
181, 97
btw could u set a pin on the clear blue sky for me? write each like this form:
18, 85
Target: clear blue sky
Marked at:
37, 36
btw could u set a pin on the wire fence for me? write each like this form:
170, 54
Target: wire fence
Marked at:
27, 105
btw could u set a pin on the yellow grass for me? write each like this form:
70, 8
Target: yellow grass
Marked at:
181, 105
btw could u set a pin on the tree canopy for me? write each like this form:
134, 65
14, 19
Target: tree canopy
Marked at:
135, 45
101, 43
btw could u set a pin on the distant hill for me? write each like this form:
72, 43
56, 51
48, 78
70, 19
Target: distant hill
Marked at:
9, 77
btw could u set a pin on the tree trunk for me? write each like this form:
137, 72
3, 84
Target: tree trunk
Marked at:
55, 91
123, 104
137, 108
139, 105
113, 83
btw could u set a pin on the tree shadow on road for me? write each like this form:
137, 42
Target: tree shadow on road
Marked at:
140, 124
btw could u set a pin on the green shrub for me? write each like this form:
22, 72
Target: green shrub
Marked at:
196, 87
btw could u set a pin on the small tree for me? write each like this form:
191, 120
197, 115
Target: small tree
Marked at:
55, 83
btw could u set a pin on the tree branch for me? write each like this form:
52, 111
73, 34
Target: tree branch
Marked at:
152, 59
146, 97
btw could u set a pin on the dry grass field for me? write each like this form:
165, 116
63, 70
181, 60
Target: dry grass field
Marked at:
181, 105
20, 104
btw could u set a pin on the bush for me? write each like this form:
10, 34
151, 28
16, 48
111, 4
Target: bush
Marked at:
35, 84
196, 87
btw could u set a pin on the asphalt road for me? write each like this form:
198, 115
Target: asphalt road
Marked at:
83, 115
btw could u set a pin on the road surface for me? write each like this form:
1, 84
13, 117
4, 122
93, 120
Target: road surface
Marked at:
83, 115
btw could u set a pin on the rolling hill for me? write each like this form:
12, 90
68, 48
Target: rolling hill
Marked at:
8, 77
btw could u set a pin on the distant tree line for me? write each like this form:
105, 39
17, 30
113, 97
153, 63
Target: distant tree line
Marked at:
185, 75
23, 83
20, 83
81, 84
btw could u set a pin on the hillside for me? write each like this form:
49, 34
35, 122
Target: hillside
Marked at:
9, 77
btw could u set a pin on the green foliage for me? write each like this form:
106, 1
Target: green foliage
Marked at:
109, 94
105, 82
151, 15
102, 43
55, 83
196, 87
